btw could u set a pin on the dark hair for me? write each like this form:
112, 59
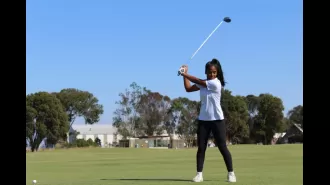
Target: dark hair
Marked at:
216, 63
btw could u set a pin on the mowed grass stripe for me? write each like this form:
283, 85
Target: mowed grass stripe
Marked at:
254, 164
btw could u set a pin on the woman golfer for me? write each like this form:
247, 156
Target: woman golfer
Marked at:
211, 116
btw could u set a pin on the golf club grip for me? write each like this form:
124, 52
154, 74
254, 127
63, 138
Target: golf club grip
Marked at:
181, 70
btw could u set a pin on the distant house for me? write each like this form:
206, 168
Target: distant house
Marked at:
294, 134
155, 141
109, 137
105, 132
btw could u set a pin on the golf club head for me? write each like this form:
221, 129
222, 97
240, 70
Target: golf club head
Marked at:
227, 19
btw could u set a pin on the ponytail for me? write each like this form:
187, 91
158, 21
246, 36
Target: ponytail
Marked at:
220, 72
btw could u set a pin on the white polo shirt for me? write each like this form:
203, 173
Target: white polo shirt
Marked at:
210, 97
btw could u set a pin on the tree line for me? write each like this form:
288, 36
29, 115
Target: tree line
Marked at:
249, 119
49, 116
142, 112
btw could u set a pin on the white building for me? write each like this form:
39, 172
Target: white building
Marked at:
105, 132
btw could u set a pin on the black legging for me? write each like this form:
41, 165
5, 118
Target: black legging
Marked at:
218, 129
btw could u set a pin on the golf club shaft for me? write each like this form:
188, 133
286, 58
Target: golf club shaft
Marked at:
206, 40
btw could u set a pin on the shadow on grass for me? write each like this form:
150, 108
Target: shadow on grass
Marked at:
183, 180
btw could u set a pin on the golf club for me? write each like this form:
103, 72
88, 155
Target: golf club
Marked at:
227, 20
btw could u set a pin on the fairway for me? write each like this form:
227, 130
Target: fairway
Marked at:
253, 165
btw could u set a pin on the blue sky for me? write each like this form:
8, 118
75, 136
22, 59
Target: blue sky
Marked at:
103, 46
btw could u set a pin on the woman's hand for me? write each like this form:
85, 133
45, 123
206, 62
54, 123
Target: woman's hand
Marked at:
187, 78
185, 67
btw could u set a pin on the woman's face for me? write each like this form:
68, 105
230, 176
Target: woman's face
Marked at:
211, 72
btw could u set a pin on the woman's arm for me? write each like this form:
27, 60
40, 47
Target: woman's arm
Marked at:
193, 79
187, 78
188, 87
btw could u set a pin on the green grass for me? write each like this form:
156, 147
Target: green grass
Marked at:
253, 165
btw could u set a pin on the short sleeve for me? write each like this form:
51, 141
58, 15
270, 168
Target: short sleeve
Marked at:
213, 85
